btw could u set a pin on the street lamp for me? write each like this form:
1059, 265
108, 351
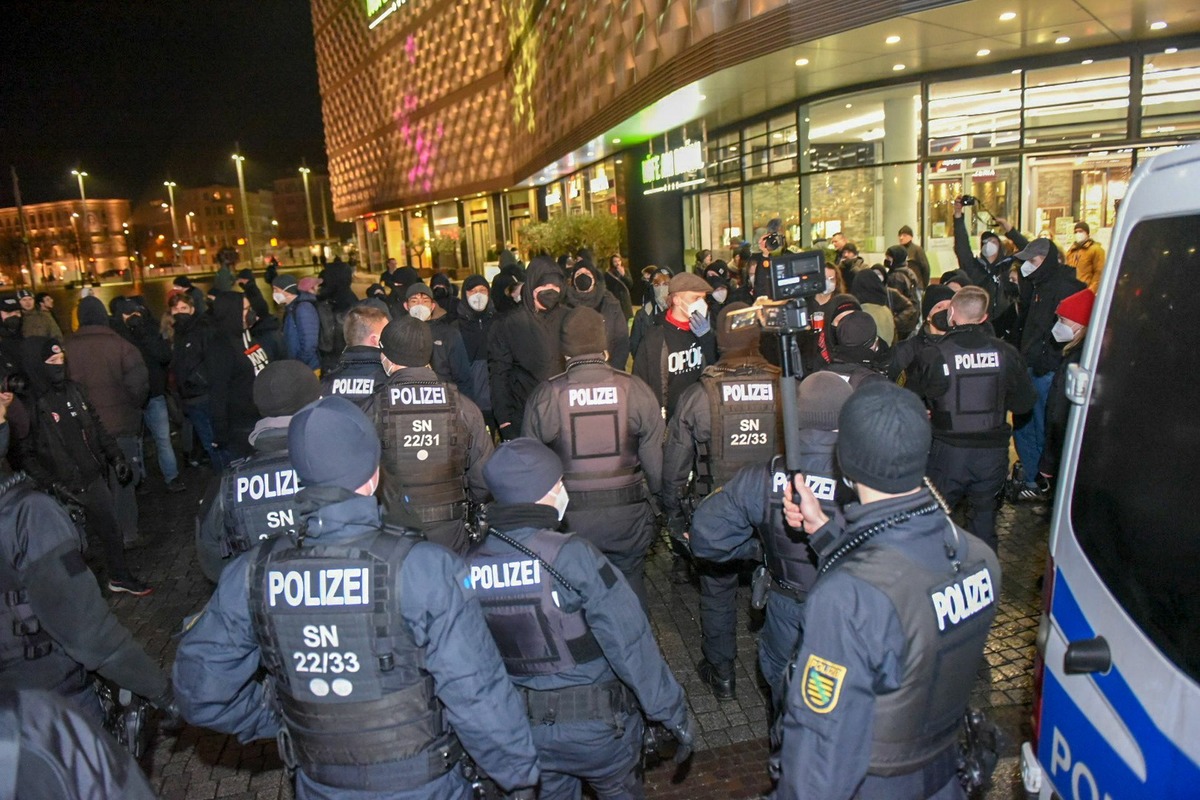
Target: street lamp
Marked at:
174, 225
238, 159
78, 246
312, 234
80, 175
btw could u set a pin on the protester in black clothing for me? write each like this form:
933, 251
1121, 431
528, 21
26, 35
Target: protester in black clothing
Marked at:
232, 357
850, 262
476, 313
618, 281
524, 347
69, 452
191, 333
505, 292
655, 305
335, 286
586, 289
990, 270
935, 306
444, 293
894, 315
672, 355
858, 355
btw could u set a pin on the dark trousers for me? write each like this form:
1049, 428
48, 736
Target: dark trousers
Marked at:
718, 613
591, 752
976, 473
632, 564
102, 523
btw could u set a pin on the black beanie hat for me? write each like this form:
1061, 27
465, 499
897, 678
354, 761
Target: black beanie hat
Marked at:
934, 295
742, 341
286, 283
884, 438
582, 332
246, 275
91, 311
819, 399
857, 329
472, 281
522, 471
407, 342
285, 387
332, 443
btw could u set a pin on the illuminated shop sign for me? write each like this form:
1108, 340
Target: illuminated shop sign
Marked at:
379, 10
673, 169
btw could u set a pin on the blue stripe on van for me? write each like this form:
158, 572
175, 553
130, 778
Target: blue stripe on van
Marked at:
1075, 755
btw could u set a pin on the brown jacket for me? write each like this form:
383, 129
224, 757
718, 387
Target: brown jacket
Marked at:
40, 323
1088, 261
113, 373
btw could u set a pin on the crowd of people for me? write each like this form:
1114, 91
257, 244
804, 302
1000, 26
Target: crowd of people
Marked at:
432, 507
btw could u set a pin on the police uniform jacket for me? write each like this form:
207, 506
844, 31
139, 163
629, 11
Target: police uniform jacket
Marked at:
357, 375
614, 617
49, 592
215, 672
933, 381
855, 652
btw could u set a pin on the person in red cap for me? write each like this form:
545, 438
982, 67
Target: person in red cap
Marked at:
1074, 315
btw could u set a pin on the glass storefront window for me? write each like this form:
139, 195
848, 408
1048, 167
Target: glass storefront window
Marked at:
1077, 103
721, 219
783, 145
418, 238
975, 113
1067, 189
772, 200
556, 199
724, 159
842, 201
1171, 94
993, 181
602, 188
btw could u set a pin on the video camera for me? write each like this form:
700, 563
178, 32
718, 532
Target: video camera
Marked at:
13, 382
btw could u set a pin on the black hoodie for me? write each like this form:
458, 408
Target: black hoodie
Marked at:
1040, 294
598, 297
524, 349
232, 358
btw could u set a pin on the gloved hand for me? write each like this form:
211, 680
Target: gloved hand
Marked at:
172, 721
683, 734
72, 502
124, 471
699, 324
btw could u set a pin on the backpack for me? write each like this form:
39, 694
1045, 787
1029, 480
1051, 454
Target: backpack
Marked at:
331, 337
905, 281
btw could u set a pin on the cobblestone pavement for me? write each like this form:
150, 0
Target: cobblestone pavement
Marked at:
730, 762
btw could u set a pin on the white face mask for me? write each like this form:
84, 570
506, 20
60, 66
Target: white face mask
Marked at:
278, 297
1080, 237
699, 307
1062, 332
477, 301
560, 502
990, 248
1028, 269
419, 312
720, 294
660, 294
830, 286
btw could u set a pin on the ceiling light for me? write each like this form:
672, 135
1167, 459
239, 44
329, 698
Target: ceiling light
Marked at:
1086, 61
616, 141
893, 39
983, 52
897, 67
1171, 51
1016, 72
801, 62
1157, 26
1008, 16
849, 105
1062, 40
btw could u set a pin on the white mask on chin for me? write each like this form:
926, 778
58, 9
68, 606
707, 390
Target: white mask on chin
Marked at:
560, 502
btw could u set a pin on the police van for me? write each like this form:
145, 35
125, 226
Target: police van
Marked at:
1117, 687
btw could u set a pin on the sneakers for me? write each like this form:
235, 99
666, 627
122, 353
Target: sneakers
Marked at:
130, 585
722, 688
1040, 490
176, 486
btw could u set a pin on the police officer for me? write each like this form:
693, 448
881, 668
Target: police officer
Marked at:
434, 439
969, 380
727, 521
895, 627
606, 427
55, 626
575, 640
359, 371
726, 421
256, 496
379, 667
671, 356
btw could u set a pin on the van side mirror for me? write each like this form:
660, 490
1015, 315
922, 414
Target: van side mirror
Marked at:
1086, 656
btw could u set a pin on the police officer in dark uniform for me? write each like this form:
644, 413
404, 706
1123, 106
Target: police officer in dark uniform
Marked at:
55, 627
574, 638
894, 629
379, 667
435, 442
726, 522
256, 497
726, 421
606, 427
970, 380
359, 371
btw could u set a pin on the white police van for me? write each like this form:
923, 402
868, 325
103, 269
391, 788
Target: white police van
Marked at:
1117, 714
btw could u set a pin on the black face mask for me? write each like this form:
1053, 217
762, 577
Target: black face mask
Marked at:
57, 373
584, 282
13, 324
251, 318
440, 291
181, 317
941, 320
549, 298
134, 322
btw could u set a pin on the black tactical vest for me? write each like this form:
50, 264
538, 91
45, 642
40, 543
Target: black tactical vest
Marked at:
974, 403
355, 388
424, 456
349, 679
945, 616
786, 552
599, 453
522, 608
260, 501
745, 423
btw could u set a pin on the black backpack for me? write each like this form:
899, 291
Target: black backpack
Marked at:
331, 338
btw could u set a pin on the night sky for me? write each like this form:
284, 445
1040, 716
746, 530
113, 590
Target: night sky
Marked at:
139, 91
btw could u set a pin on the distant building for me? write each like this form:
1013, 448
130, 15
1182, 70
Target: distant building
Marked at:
67, 241
207, 218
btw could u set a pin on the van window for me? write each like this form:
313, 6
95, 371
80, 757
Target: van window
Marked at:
1135, 506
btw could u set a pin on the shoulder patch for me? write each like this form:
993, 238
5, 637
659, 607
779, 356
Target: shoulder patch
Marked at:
822, 684
608, 576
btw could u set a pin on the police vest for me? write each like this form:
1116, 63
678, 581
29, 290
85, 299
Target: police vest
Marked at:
349, 679
745, 423
974, 403
945, 616
599, 453
424, 449
786, 552
355, 388
260, 501
22, 637
522, 608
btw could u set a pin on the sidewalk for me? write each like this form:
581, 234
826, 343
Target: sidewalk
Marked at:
731, 757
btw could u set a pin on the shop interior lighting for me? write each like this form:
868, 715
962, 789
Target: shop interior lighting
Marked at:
801, 62
897, 67
1062, 40
1008, 16
893, 39
983, 52
1157, 26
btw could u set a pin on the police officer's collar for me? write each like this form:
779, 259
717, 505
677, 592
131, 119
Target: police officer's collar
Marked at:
346, 518
860, 516
960, 329
586, 358
270, 434
412, 374
507, 517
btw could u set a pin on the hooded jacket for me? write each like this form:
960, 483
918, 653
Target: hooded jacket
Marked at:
110, 369
335, 287
524, 349
991, 275
1040, 294
445, 294
232, 358
475, 328
895, 317
156, 351
599, 298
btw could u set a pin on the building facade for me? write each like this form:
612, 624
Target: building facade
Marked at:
70, 241
695, 122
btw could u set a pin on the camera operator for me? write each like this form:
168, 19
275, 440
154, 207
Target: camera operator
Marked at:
990, 269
